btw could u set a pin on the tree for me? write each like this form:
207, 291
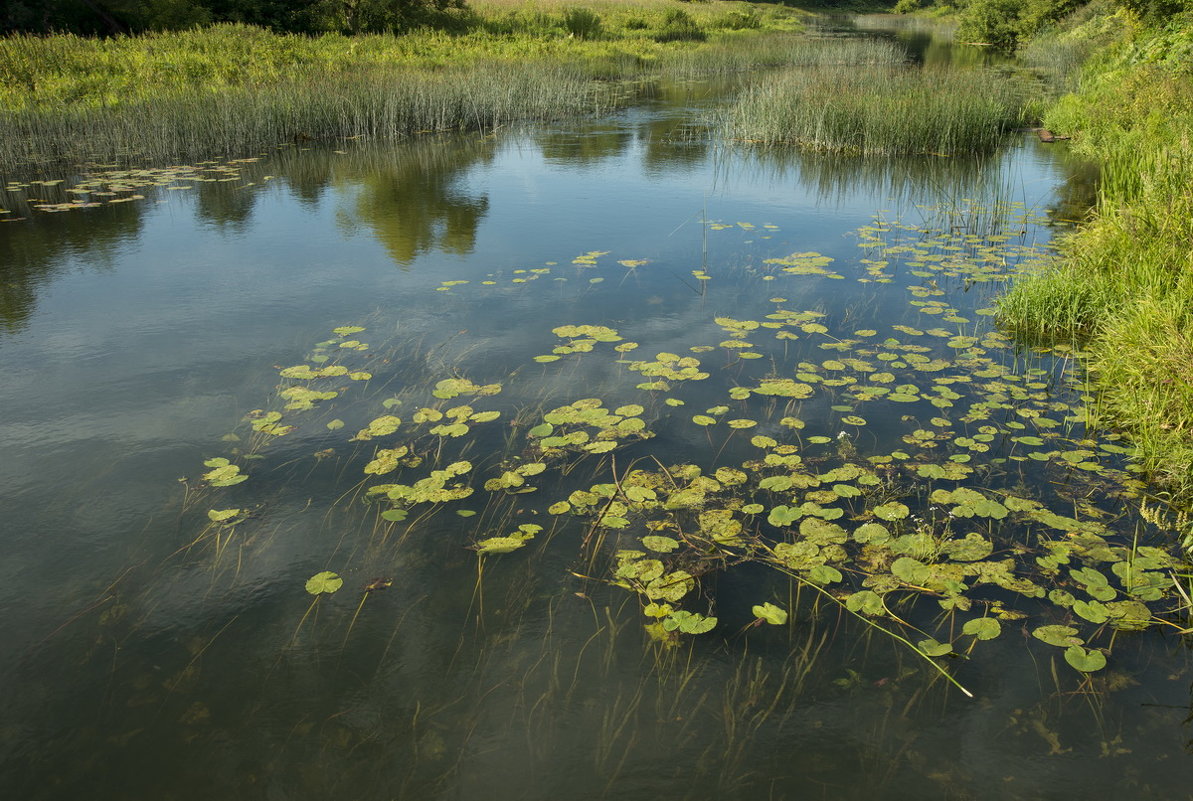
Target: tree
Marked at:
375, 16
113, 17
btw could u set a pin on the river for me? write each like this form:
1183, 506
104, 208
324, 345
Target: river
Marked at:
171, 638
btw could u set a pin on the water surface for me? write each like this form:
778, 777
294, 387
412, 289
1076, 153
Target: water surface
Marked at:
154, 654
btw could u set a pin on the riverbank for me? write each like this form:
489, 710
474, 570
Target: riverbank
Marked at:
1123, 284
180, 94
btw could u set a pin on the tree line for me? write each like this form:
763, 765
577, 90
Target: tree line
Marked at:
115, 17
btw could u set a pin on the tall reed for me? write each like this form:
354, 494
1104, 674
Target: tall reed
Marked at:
880, 110
381, 103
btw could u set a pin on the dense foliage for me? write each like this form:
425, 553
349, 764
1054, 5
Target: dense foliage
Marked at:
295, 16
1006, 24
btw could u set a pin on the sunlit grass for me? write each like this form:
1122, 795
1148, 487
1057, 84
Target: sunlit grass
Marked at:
234, 87
380, 104
46, 71
1123, 284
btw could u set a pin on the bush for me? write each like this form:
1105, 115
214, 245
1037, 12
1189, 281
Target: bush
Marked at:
740, 20
992, 22
678, 26
582, 23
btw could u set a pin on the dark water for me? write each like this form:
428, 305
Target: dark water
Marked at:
152, 655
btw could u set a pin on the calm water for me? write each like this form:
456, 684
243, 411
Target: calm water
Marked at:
153, 654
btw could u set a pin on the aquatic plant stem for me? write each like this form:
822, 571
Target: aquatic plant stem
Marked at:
305, 615
364, 597
874, 625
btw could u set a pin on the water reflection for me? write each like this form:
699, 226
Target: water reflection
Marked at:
902, 180
225, 205
196, 669
1078, 191
676, 139
33, 253
411, 201
585, 146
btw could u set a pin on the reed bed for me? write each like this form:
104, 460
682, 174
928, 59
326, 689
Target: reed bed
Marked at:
777, 50
226, 88
881, 110
40, 71
383, 103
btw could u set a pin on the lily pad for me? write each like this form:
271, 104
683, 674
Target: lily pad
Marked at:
324, 583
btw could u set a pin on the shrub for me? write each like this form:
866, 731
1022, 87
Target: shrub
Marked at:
582, 23
678, 26
740, 20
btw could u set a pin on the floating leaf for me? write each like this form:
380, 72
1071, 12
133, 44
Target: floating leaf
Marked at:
783, 516
933, 648
824, 574
1060, 636
325, 582
499, 545
867, 602
689, 622
660, 544
891, 511
772, 614
1083, 660
380, 427
973, 548
984, 628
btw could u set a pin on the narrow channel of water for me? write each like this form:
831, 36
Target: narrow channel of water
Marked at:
811, 333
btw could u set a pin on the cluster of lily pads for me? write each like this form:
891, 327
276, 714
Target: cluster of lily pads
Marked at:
891, 471
106, 184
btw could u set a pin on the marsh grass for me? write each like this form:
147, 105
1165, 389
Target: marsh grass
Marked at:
777, 50
881, 110
40, 72
382, 104
235, 88
1121, 285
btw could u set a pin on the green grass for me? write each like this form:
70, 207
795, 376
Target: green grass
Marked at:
879, 109
1059, 52
40, 72
379, 104
234, 88
1123, 283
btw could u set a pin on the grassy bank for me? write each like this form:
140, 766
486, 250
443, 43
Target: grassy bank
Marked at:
884, 109
177, 95
1123, 285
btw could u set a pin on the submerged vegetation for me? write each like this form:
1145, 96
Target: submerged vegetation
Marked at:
861, 453
923, 479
